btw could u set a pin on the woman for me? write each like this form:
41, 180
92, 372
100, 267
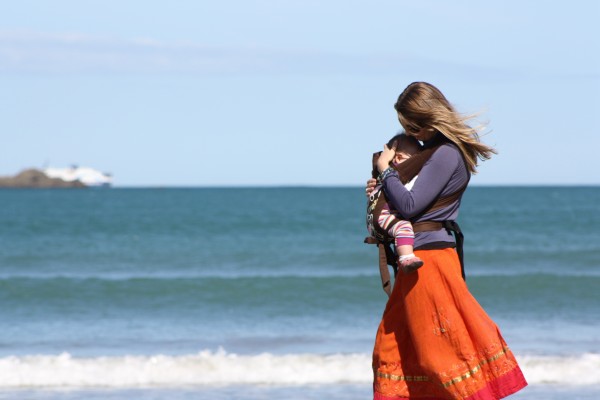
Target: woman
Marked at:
435, 341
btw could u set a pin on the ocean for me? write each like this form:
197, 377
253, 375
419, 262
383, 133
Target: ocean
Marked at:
262, 293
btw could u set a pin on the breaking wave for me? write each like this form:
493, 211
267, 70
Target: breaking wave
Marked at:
219, 368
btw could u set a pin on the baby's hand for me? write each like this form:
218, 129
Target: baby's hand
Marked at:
386, 156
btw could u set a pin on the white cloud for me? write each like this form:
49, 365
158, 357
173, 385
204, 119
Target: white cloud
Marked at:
34, 52
41, 52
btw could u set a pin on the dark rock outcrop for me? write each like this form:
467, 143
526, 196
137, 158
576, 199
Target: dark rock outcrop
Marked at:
34, 178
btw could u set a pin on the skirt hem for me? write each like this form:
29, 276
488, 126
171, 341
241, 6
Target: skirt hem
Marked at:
499, 388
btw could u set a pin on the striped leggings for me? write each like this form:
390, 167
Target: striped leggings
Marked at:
402, 231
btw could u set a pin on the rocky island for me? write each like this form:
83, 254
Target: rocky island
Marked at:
73, 177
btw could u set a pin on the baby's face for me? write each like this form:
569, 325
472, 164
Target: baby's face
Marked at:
404, 153
401, 156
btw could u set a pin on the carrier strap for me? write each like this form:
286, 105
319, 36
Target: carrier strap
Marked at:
445, 201
386, 257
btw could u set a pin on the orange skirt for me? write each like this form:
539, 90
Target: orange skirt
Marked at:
436, 342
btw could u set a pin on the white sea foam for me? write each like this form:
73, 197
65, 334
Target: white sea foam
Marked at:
575, 370
204, 368
220, 368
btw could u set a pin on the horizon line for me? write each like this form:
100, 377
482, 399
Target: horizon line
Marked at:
337, 186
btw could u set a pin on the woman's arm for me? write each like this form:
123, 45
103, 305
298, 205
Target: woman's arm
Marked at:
432, 180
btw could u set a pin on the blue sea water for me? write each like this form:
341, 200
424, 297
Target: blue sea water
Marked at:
255, 293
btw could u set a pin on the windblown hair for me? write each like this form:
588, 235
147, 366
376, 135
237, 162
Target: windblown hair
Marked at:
422, 105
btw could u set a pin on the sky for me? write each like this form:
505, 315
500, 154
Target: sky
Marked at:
292, 92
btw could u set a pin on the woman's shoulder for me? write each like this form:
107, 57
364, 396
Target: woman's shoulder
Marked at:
447, 153
447, 161
451, 157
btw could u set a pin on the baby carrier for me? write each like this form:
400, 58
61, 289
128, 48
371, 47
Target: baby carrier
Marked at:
379, 236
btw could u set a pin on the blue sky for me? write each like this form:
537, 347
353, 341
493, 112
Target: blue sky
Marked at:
197, 93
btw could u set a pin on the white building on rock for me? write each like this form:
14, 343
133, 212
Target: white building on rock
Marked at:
87, 176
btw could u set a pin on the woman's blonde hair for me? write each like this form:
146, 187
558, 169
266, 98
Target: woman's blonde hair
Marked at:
422, 105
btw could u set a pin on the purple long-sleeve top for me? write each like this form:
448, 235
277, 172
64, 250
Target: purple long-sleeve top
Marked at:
443, 174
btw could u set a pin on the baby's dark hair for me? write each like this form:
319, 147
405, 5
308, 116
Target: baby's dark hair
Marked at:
402, 141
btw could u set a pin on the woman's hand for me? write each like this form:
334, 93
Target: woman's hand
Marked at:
387, 155
371, 183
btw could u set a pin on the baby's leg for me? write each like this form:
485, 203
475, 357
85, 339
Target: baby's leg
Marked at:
404, 238
399, 229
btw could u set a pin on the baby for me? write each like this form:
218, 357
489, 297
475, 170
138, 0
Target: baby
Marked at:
386, 221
